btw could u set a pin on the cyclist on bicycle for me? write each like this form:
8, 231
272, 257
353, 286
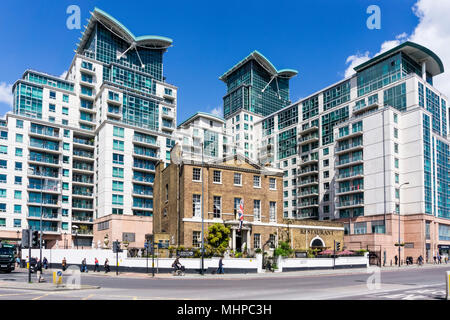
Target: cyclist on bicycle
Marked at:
177, 265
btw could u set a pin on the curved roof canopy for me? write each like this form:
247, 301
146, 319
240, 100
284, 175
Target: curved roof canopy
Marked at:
415, 51
149, 41
265, 63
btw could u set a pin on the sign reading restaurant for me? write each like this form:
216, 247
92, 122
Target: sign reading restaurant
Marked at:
317, 231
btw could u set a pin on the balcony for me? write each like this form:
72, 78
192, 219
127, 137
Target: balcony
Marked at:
350, 190
350, 203
310, 193
44, 202
308, 204
48, 147
42, 173
349, 147
309, 129
113, 100
340, 137
83, 233
40, 160
350, 175
44, 133
83, 143
82, 194
143, 180
308, 139
82, 206
43, 188
142, 194
87, 95
82, 167
143, 167
87, 68
82, 219
145, 153
145, 141
309, 182
308, 172
168, 114
82, 181
309, 160
349, 161
83, 155
363, 108
45, 216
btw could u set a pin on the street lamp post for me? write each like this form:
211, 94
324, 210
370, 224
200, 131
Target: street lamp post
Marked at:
203, 240
76, 234
399, 210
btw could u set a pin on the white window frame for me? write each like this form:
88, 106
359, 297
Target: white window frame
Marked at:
219, 207
193, 174
196, 198
220, 176
270, 183
236, 174
259, 182
272, 214
257, 210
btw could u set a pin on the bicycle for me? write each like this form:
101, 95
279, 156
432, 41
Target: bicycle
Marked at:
179, 272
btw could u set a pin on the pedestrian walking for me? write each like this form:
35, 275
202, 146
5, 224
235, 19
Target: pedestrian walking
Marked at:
18, 262
420, 260
107, 266
434, 258
220, 269
45, 263
64, 264
396, 260
96, 265
39, 270
84, 266
439, 258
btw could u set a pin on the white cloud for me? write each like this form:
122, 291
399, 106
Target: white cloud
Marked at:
355, 60
217, 111
6, 95
432, 31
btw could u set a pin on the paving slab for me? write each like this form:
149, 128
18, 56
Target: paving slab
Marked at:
43, 286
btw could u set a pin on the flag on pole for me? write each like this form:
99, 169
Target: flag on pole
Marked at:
241, 214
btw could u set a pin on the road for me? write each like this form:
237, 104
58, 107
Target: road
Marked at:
407, 284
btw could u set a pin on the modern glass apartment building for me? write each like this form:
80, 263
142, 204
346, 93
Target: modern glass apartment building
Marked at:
82, 148
255, 89
348, 150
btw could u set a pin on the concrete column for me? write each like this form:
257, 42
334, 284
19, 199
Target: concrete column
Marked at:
248, 240
234, 240
424, 71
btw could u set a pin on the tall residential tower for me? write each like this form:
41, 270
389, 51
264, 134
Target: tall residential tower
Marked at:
81, 151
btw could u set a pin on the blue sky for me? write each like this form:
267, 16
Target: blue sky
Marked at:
313, 37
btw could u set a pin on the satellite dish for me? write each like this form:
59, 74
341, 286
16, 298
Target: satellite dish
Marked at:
176, 154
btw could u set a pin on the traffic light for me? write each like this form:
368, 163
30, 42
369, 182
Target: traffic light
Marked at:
35, 239
25, 238
116, 247
338, 246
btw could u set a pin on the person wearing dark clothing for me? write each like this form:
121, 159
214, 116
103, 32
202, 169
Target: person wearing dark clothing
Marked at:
45, 263
220, 269
84, 266
420, 260
64, 264
396, 260
96, 265
107, 266
39, 270
434, 258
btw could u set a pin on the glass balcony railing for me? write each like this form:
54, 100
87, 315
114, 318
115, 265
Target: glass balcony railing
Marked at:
144, 139
82, 166
349, 160
82, 205
44, 215
82, 153
349, 146
82, 179
83, 141
43, 159
44, 145
44, 131
348, 203
350, 174
350, 188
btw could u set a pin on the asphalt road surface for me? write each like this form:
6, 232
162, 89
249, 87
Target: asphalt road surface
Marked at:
408, 284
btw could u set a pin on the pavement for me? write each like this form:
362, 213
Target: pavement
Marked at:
390, 283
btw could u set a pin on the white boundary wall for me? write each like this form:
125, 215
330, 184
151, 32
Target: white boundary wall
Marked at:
249, 265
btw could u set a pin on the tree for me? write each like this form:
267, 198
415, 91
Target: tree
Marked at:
283, 249
217, 239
